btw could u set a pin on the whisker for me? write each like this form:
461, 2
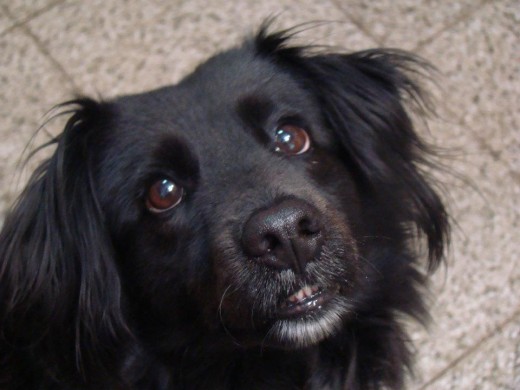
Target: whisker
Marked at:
221, 318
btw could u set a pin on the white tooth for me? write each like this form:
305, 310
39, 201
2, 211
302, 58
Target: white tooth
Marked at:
293, 298
307, 290
300, 294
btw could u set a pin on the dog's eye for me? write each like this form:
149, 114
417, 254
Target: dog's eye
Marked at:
163, 195
292, 140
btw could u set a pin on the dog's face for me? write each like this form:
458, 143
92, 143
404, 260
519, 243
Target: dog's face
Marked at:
226, 194
268, 199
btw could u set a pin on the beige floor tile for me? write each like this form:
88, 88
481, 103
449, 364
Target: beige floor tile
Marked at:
405, 23
481, 87
129, 49
479, 288
30, 87
5, 22
22, 9
479, 83
322, 23
480, 59
494, 365
133, 48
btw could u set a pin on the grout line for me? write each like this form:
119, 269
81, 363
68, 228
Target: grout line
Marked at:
26, 19
358, 23
482, 143
497, 155
5, 12
471, 350
461, 17
41, 47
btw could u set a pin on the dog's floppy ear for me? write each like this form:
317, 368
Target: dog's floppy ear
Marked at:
60, 293
362, 98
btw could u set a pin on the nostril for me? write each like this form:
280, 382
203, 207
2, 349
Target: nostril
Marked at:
271, 242
257, 243
308, 227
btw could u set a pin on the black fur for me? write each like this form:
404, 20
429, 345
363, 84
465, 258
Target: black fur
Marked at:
97, 291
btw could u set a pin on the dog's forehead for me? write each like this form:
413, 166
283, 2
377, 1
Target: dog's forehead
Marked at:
205, 109
226, 77
209, 100
229, 86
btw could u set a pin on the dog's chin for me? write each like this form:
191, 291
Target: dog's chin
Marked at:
308, 317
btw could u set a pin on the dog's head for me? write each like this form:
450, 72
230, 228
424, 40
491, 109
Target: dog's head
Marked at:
255, 201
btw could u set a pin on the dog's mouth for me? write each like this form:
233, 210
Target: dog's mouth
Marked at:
306, 301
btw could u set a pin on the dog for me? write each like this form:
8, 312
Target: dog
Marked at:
256, 226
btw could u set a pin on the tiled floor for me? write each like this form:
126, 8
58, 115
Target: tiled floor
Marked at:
51, 49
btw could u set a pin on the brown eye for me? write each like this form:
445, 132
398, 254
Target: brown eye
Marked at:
292, 140
163, 195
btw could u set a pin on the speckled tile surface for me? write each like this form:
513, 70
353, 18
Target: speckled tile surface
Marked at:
128, 49
5, 22
493, 364
24, 9
111, 47
480, 61
406, 23
30, 88
480, 286
479, 85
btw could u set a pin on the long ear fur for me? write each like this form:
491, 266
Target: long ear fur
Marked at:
363, 96
60, 294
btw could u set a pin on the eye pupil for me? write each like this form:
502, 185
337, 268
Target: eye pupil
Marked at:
291, 140
163, 195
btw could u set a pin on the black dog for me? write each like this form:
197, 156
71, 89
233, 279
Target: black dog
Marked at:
253, 227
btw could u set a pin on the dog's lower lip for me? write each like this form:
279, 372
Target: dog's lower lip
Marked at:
310, 304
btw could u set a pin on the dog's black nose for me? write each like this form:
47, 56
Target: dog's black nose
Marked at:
285, 235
